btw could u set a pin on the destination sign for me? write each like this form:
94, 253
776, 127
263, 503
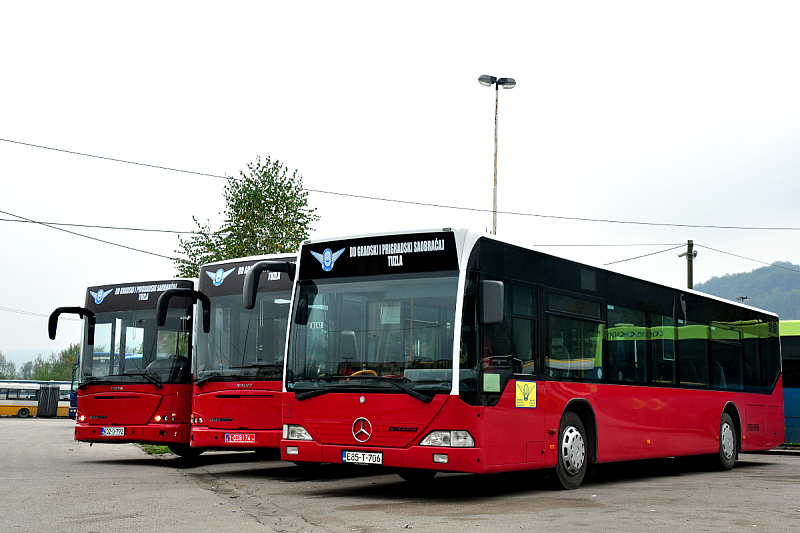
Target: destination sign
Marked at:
385, 254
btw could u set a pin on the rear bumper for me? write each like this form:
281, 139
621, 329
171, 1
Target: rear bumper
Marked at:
147, 433
239, 439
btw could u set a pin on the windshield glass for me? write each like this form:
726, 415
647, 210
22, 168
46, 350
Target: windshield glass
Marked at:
242, 343
130, 348
376, 332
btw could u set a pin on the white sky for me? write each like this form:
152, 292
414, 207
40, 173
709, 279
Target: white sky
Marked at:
660, 112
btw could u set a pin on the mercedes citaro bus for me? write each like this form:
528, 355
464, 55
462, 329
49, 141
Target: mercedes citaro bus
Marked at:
451, 350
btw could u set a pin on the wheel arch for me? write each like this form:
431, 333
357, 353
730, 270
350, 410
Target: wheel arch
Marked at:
585, 411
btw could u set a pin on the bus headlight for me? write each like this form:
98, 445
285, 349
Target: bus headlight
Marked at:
294, 432
452, 439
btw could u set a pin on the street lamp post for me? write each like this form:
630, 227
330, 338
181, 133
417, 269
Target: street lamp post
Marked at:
505, 83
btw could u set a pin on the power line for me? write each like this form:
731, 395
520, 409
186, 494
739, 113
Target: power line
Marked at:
747, 258
87, 236
645, 255
100, 227
31, 313
425, 204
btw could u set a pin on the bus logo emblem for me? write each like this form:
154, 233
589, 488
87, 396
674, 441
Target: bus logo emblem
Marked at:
100, 295
362, 429
219, 276
327, 258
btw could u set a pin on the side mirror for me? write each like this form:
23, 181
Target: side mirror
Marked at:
162, 306
52, 322
491, 294
250, 290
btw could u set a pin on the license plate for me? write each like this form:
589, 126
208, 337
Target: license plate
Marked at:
362, 458
112, 432
240, 437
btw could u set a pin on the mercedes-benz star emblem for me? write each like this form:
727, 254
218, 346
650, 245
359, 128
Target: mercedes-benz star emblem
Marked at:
362, 429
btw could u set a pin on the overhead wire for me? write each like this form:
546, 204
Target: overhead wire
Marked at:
426, 204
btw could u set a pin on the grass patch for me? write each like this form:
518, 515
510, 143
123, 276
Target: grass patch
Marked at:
152, 449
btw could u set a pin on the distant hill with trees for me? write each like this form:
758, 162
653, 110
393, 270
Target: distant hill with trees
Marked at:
773, 288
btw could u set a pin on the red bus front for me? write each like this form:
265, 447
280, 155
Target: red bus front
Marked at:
135, 377
239, 361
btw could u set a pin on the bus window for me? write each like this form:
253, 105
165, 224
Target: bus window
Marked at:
693, 340
627, 344
573, 348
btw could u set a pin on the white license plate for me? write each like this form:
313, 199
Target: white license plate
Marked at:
362, 458
112, 432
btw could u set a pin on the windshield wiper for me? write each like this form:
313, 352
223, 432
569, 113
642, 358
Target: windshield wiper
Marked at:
155, 380
408, 390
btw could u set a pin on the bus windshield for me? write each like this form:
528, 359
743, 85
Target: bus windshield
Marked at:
244, 344
130, 348
380, 333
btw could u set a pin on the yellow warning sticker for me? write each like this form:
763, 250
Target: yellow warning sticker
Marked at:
526, 394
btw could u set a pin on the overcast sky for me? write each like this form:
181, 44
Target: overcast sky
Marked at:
674, 115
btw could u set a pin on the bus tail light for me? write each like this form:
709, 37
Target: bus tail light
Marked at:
294, 432
452, 439
196, 419
165, 417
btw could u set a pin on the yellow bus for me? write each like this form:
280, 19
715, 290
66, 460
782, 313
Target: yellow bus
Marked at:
24, 398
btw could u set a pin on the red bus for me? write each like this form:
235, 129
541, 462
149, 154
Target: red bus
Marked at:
238, 362
454, 351
134, 377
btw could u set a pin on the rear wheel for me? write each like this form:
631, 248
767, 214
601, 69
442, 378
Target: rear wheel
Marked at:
727, 442
23, 413
572, 452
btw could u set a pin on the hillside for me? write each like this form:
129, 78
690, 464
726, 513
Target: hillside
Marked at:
773, 288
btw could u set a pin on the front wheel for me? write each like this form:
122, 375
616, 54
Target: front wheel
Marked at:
727, 443
416, 475
572, 452
184, 450
23, 413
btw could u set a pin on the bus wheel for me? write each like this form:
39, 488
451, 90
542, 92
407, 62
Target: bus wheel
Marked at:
727, 442
23, 413
571, 465
184, 450
416, 475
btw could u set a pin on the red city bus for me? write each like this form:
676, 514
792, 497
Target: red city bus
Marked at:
454, 351
239, 361
134, 379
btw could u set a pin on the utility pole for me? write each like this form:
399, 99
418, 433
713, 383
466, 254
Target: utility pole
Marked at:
690, 254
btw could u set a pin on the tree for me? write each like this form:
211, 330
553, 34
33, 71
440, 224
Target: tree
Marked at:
266, 211
8, 369
56, 367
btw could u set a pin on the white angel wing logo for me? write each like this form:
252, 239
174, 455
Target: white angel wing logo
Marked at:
99, 296
327, 258
219, 276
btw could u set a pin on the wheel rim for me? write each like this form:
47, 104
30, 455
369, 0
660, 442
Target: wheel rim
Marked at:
573, 450
726, 440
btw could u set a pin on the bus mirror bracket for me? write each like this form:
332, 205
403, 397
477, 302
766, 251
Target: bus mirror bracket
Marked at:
491, 294
250, 290
52, 322
162, 306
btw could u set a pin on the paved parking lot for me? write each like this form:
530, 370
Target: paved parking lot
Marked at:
50, 481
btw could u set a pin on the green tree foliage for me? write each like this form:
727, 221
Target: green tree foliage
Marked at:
7, 368
266, 211
56, 367
773, 288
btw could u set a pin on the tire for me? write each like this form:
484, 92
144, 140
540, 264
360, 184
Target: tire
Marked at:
572, 453
416, 475
23, 413
184, 450
728, 443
